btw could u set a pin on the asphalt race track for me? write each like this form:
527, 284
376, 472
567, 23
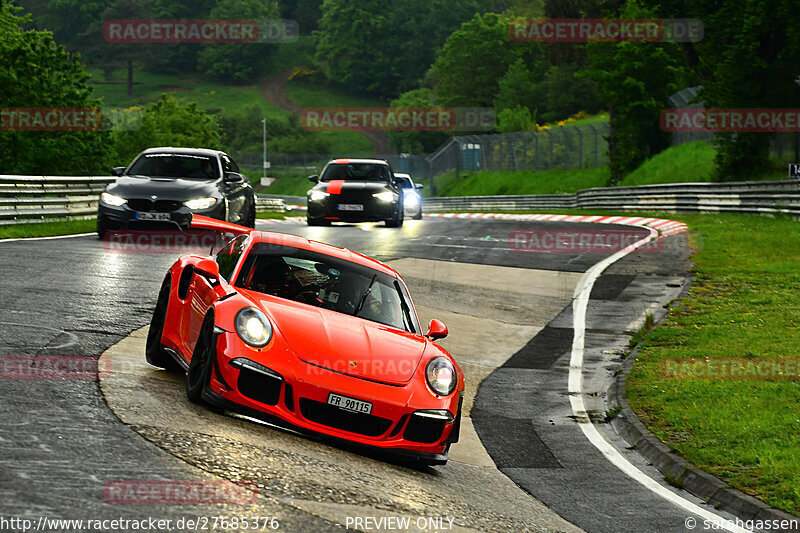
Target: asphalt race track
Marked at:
523, 463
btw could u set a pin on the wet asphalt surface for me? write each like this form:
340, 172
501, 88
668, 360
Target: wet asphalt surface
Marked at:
61, 444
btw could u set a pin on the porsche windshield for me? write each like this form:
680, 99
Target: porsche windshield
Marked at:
324, 281
176, 166
356, 172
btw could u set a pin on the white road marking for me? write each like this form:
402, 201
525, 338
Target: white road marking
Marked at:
48, 238
575, 386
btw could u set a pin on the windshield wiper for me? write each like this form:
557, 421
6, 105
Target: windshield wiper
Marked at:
364, 297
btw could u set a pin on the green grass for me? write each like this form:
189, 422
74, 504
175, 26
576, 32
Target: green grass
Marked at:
554, 181
743, 303
689, 162
307, 94
47, 229
685, 163
290, 186
232, 100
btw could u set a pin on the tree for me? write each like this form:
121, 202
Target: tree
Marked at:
238, 62
168, 122
749, 57
634, 80
110, 55
475, 57
37, 72
520, 87
417, 142
384, 48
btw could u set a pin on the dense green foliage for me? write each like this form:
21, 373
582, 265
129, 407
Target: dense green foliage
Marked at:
167, 122
35, 72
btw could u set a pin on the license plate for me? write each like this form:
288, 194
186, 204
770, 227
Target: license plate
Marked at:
349, 404
153, 216
351, 207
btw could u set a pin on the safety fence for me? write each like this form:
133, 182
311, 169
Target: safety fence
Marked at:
37, 198
747, 197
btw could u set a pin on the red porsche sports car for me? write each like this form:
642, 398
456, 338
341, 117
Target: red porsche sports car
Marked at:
311, 336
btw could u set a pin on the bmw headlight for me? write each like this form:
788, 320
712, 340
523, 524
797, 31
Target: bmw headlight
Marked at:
317, 196
200, 203
441, 376
111, 199
385, 196
253, 327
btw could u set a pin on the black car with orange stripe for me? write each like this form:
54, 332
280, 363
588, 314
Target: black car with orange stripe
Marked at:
355, 190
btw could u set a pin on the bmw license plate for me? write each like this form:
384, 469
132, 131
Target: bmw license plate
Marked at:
349, 404
153, 216
351, 207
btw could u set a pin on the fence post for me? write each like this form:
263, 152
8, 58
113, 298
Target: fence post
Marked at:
580, 147
535, 151
566, 145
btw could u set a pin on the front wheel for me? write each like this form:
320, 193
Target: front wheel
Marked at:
251, 217
396, 221
202, 359
317, 221
102, 226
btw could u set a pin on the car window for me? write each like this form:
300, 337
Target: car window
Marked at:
323, 281
356, 171
171, 165
229, 256
226, 164
405, 183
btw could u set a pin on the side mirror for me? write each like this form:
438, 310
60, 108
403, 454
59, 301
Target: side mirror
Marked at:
436, 330
117, 171
419, 186
314, 178
233, 177
208, 267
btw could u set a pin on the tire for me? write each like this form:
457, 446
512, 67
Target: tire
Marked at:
102, 227
418, 216
317, 222
251, 218
396, 221
154, 350
199, 373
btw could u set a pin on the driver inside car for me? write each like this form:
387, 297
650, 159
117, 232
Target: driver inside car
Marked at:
271, 275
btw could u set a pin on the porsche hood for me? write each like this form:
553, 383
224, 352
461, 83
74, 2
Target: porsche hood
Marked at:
347, 344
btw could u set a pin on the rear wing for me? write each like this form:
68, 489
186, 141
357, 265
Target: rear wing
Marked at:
212, 224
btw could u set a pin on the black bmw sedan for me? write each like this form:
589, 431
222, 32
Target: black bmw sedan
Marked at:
355, 190
162, 187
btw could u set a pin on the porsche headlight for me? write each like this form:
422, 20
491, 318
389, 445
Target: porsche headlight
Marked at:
200, 203
441, 376
385, 196
411, 200
317, 196
253, 327
111, 199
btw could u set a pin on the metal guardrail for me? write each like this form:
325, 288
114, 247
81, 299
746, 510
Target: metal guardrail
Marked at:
748, 197
36, 198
